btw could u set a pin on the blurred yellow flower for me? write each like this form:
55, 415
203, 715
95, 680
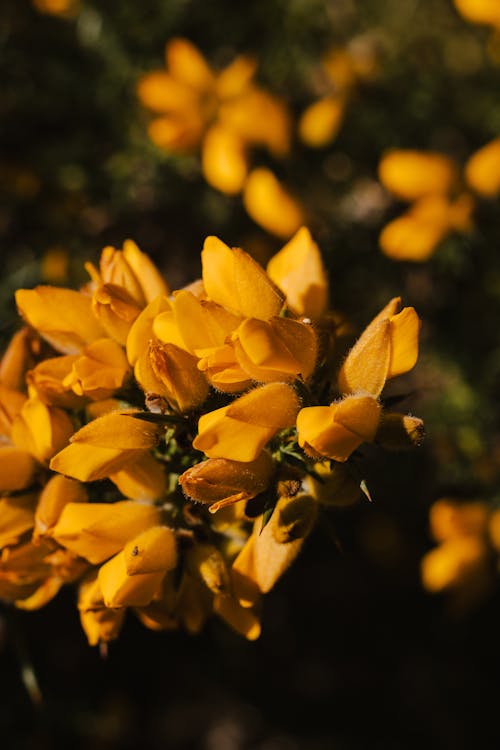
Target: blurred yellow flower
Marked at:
224, 113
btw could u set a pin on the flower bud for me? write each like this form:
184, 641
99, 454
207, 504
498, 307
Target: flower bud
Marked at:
399, 431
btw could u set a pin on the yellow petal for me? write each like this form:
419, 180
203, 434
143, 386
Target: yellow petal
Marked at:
42, 596
449, 519
279, 349
114, 269
270, 205
335, 431
17, 468
408, 238
177, 133
224, 161
153, 551
160, 92
234, 79
258, 118
235, 280
42, 430
299, 272
482, 170
105, 445
240, 431
206, 562
121, 590
96, 531
367, 364
57, 493
143, 480
16, 518
141, 330
409, 175
403, 332
100, 370
187, 65
63, 317
116, 310
47, 379
181, 382
456, 562
321, 121
480, 11
16, 360
151, 281
244, 621
11, 403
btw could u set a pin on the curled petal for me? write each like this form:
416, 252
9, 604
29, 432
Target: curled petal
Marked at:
270, 205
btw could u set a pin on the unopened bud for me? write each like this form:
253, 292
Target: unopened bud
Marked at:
220, 481
206, 561
400, 431
295, 518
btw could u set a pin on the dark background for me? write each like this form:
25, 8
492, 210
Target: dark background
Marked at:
354, 653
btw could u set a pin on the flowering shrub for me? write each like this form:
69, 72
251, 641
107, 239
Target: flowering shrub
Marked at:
169, 452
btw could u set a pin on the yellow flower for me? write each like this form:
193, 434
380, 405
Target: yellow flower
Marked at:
16, 360
219, 482
41, 430
133, 576
144, 479
482, 171
388, 347
17, 468
106, 445
131, 269
271, 205
62, 317
116, 310
16, 518
298, 271
241, 430
97, 531
49, 380
269, 551
57, 493
225, 113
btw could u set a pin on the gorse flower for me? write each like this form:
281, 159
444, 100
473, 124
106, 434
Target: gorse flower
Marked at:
169, 453
440, 197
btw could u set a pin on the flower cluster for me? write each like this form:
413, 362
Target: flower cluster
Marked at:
168, 453
440, 198
463, 563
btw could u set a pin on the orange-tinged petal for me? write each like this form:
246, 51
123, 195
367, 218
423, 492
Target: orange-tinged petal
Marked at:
244, 621
299, 272
114, 269
57, 493
278, 349
224, 161
240, 431
141, 330
17, 468
150, 279
233, 279
335, 431
482, 170
143, 480
449, 519
96, 531
404, 331
16, 518
105, 445
11, 403
409, 175
187, 65
219, 481
270, 205
63, 317
42, 430
42, 596
322, 120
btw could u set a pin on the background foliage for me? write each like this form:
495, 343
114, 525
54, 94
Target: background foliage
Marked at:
353, 651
